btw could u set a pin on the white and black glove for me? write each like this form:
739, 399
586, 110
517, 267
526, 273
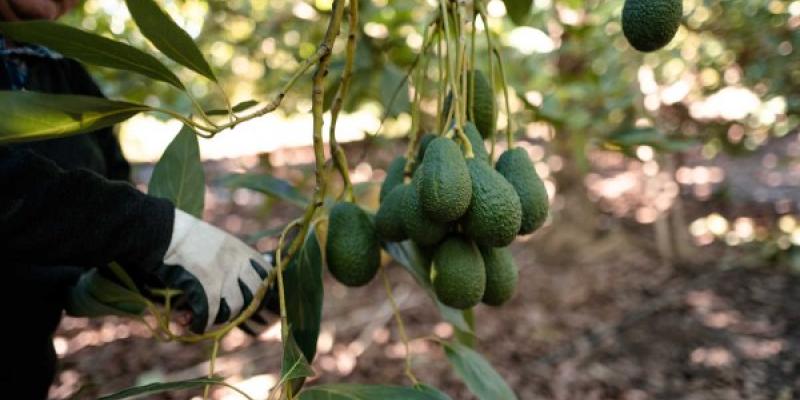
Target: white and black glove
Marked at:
218, 273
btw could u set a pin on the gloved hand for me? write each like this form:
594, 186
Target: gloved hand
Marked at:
218, 273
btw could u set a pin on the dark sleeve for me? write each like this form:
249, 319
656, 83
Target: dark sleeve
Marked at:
116, 166
49, 216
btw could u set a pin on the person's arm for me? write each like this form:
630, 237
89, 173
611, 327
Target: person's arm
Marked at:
53, 217
50, 216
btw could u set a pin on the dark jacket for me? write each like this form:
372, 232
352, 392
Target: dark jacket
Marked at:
65, 207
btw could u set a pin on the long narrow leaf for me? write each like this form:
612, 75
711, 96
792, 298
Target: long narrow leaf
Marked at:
479, 376
89, 48
155, 388
28, 116
369, 392
168, 37
295, 365
178, 175
304, 295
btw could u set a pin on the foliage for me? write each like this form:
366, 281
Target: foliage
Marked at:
577, 78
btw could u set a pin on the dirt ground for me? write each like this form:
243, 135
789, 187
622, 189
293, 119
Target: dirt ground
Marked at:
598, 315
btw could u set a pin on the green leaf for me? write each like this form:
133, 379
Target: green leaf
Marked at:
627, 139
394, 91
239, 107
295, 366
518, 10
436, 393
409, 255
479, 376
95, 296
302, 280
168, 37
178, 176
89, 48
27, 116
155, 388
266, 184
369, 392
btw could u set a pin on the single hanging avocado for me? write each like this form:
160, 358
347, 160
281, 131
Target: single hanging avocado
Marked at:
352, 249
389, 219
494, 215
502, 275
651, 24
418, 226
444, 186
394, 176
517, 168
458, 273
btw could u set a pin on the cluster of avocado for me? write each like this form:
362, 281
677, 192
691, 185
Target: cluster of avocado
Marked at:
463, 213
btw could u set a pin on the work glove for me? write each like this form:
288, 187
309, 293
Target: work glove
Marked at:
217, 273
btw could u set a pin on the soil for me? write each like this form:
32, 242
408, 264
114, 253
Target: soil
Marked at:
599, 314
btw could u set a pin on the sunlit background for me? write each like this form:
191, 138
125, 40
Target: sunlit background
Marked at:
693, 147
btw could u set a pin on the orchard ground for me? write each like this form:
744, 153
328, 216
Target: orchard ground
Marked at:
600, 313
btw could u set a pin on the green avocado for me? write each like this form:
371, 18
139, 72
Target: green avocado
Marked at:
494, 215
475, 139
458, 273
419, 227
651, 24
502, 275
389, 219
424, 141
394, 176
353, 252
444, 186
517, 168
482, 104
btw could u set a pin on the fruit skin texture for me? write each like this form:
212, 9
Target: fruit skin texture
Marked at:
418, 226
651, 24
475, 139
352, 251
459, 275
482, 104
444, 187
389, 219
502, 275
394, 176
517, 168
494, 215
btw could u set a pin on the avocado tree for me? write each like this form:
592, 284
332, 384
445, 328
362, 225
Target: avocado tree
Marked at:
449, 206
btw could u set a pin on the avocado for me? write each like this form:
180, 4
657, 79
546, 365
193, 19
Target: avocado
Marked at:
389, 219
475, 139
494, 215
418, 226
394, 176
651, 24
458, 273
482, 104
517, 168
502, 275
424, 141
444, 186
352, 250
